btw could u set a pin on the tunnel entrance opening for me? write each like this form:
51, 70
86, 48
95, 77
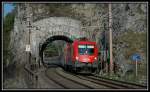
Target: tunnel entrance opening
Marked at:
57, 39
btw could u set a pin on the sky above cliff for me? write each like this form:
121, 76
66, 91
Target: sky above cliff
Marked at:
7, 7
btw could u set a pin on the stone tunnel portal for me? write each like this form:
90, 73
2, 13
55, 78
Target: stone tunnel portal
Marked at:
49, 40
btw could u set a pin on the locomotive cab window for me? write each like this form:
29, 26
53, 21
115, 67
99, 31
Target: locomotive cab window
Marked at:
82, 49
86, 49
90, 49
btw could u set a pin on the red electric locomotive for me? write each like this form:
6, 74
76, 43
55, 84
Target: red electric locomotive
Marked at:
81, 56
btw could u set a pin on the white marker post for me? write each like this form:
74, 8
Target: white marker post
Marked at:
28, 48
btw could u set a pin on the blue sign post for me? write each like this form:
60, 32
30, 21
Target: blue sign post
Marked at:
136, 58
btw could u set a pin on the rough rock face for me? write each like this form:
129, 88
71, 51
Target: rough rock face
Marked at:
129, 17
18, 42
126, 17
40, 31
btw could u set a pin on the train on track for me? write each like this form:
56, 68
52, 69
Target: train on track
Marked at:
81, 56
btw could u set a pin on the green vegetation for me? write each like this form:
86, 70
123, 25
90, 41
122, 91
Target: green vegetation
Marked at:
51, 50
8, 66
8, 23
135, 42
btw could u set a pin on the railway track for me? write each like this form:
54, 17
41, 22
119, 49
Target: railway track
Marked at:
111, 84
68, 80
64, 82
50, 78
80, 79
48, 83
108, 82
119, 83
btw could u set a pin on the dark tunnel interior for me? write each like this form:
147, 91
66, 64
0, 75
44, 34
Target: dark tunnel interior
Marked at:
51, 39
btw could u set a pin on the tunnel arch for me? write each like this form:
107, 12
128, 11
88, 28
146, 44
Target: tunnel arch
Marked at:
51, 39
52, 27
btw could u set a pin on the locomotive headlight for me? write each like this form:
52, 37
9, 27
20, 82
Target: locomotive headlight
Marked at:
95, 58
77, 58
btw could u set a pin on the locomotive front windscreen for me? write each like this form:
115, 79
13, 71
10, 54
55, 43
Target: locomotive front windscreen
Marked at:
86, 49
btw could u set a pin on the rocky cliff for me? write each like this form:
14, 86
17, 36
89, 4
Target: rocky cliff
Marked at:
129, 25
